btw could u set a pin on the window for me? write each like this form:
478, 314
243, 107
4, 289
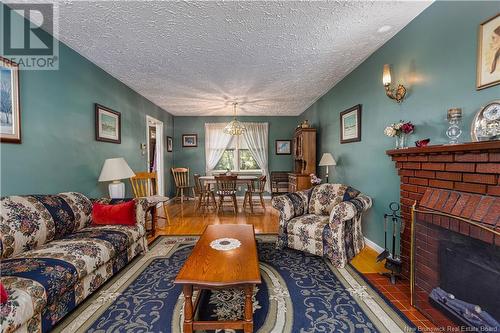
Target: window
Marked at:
247, 162
237, 157
226, 162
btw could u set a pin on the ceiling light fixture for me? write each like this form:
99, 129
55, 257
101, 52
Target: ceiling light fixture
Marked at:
234, 127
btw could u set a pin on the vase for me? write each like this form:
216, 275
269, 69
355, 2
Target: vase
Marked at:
401, 141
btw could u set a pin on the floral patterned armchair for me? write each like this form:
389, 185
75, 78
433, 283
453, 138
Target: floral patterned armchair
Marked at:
324, 220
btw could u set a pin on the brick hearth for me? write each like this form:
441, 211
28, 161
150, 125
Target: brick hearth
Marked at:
469, 174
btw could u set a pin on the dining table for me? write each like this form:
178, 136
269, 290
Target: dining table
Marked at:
241, 179
209, 182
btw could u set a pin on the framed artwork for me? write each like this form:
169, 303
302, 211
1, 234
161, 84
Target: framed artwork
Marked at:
488, 53
107, 124
190, 140
350, 124
10, 111
283, 147
169, 144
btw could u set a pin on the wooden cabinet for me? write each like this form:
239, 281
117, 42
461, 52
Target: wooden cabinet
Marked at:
297, 182
304, 159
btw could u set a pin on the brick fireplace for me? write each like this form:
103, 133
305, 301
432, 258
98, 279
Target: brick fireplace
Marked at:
456, 230
469, 172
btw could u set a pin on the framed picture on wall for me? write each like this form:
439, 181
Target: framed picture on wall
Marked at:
488, 53
169, 144
283, 147
350, 124
107, 124
10, 112
190, 140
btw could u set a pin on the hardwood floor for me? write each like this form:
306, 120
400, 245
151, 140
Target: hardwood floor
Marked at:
184, 220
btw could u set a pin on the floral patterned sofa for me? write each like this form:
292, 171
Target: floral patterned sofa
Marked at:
324, 220
52, 258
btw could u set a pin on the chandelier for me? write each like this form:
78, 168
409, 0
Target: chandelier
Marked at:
234, 127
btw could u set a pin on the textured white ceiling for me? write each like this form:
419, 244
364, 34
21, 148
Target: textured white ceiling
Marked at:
195, 58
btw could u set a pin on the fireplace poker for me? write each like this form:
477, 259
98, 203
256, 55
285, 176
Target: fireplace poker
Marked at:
384, 254
392, 262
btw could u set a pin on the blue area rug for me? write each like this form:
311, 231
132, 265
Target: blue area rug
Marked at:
299, 293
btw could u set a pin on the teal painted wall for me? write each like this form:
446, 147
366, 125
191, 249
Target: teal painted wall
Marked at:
58, 151
194, 158
435, 57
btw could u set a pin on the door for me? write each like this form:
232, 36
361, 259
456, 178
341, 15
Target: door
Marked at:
154, 130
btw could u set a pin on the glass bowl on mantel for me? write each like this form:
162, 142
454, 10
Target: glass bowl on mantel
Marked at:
486, 123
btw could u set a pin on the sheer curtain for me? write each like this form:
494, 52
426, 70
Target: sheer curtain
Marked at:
256, 137
216, 141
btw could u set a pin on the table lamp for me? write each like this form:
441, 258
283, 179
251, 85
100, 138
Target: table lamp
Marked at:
326, 161
113, 170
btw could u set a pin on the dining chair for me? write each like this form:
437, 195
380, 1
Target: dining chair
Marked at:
255, 190
181, 179
225, 186
145, 185
203, 193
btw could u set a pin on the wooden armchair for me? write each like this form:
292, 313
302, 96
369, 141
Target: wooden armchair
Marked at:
279, 182
145, 185
203, 193
226, 187
181, 179
255, 190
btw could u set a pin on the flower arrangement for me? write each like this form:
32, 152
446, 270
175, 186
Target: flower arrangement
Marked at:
314, 179
397, 129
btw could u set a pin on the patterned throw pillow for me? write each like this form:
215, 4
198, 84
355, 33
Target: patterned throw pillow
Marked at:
326, 196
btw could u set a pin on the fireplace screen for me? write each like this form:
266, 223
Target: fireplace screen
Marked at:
455, 276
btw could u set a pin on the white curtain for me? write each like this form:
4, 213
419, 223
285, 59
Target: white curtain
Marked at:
256, 137
216, 141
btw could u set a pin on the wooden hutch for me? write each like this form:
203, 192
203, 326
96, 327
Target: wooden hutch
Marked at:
304, 159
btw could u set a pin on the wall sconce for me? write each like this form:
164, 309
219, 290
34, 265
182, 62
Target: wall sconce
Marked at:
398, 93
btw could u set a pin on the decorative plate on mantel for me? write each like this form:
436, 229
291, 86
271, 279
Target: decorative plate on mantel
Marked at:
486, 123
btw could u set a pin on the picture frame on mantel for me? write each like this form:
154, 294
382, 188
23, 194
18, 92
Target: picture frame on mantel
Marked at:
108, 124
350, 124
10, 109
488, 53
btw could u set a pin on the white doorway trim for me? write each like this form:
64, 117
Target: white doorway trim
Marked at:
150, 121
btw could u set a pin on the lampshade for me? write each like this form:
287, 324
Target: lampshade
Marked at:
386, 76
327, 159
115, 169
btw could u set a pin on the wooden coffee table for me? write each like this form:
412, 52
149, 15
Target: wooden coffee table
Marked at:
207, 268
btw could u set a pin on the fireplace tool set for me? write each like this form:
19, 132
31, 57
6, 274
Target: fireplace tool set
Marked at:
392, 260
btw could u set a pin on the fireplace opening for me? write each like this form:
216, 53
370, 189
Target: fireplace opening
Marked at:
456, 277
469, 269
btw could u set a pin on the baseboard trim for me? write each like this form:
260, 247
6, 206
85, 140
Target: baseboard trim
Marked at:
373, 245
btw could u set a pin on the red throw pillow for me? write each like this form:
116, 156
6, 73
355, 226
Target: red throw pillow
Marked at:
3, 294
123, 214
